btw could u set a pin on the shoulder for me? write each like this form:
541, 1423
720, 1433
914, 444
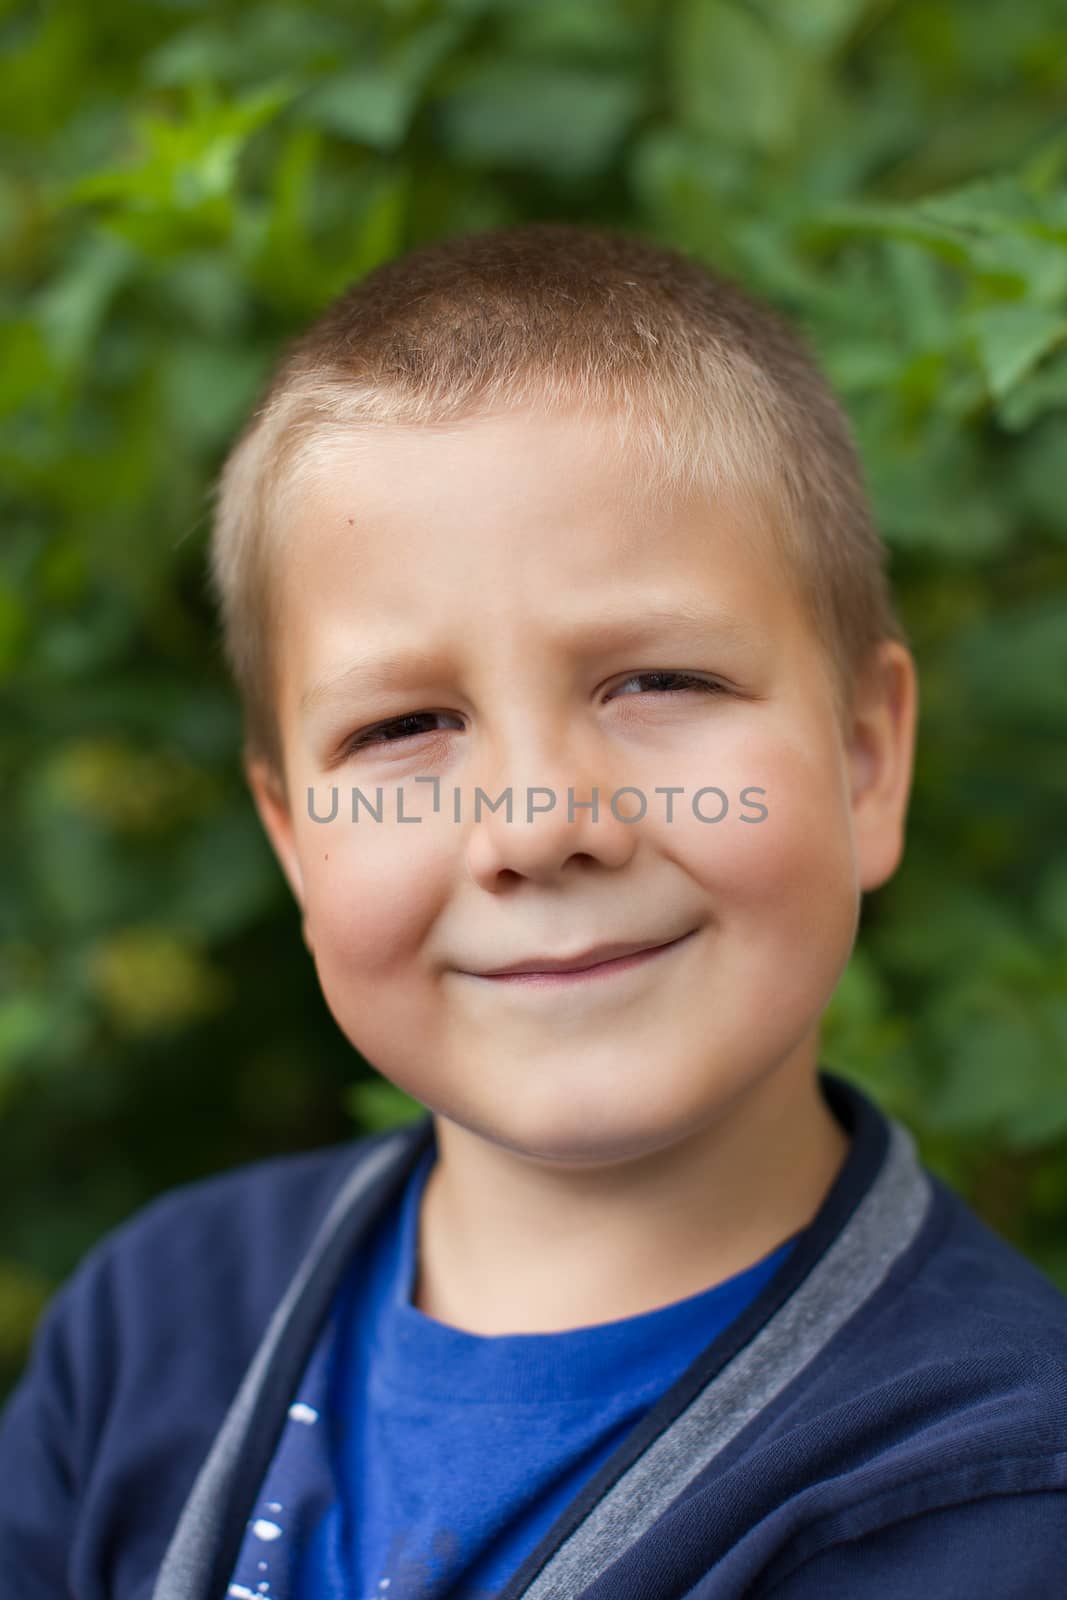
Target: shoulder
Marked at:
928, 1439
185, 1285
1003, 1544
968, 1296
217, 1251
953, 1376
263, 1214
966, 1333
140, 1351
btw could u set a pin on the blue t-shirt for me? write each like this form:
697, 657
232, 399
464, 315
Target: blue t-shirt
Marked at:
421, 1461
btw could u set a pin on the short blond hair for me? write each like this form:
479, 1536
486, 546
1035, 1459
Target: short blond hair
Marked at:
705, 385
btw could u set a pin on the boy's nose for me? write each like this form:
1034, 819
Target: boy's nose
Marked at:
560, 808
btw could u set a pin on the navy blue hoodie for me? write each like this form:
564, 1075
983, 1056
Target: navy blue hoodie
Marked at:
888, 1415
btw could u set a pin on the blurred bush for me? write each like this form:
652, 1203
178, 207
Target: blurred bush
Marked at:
183, 186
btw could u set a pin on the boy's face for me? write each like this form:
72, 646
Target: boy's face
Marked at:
519, 556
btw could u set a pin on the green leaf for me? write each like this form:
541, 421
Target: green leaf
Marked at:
26, 366
818, 26
15, 629
375, 100
1001, 1075
23, 1297
152, 978
189, 161
734, 77
567, 122
249, 45
377, 1105
896, 223
25, 1024
377, 229
207, 389
1038, 392
220, 877
991, 205
1012, 339
1052, 901
71, 308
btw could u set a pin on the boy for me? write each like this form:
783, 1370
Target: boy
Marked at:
579, 720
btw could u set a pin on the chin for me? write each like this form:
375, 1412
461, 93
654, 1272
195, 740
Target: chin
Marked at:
583, 1138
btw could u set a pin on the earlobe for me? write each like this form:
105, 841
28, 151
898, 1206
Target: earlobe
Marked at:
881, 755
268, 793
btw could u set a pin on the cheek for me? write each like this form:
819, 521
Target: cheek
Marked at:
783, 893
371, 891
793, 871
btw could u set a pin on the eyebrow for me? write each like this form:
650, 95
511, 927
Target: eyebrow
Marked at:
373, 671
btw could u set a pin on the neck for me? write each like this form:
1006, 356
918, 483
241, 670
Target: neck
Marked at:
510, 1245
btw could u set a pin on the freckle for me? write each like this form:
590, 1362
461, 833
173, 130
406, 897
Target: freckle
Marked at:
350, 522
327, 856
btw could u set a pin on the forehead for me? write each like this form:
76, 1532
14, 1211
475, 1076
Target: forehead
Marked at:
509, 475
524, 460
538, 526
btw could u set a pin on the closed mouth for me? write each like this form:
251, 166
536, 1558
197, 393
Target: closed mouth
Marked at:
546, 973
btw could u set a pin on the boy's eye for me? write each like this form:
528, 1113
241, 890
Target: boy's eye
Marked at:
670, 682
397, 729
392, 732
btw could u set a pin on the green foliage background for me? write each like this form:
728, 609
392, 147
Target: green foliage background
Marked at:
183, 186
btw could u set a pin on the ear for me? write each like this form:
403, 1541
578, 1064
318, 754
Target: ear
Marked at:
881, 753
272, 804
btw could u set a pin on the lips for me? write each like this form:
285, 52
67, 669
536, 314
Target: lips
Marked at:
578, 963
